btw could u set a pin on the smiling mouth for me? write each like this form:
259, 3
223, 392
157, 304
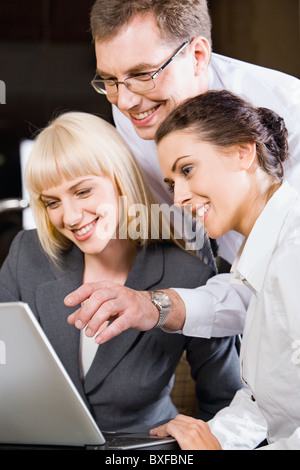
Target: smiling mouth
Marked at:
202, 210
144, 115
84, 230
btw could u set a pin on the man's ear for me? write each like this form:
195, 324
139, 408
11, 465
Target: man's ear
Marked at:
247, 155
202, 53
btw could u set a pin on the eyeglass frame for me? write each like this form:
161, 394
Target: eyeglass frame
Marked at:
153, 76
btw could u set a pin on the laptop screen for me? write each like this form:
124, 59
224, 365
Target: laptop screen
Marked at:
39, 404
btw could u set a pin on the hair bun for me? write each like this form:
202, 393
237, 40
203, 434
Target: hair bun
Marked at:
276, 137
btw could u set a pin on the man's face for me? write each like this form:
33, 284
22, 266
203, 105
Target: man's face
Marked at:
139, 48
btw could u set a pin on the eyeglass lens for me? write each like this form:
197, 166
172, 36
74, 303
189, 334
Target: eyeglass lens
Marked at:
138, 84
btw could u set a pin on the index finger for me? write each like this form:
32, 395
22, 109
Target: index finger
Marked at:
79, 295
85, 291
91, 310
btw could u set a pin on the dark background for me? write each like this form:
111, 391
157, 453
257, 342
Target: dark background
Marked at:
47, 61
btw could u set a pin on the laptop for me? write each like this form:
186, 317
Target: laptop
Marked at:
39, 404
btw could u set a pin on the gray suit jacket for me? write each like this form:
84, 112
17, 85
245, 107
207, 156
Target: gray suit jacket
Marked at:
129, 381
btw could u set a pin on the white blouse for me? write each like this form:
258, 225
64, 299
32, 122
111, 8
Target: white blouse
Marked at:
269, 264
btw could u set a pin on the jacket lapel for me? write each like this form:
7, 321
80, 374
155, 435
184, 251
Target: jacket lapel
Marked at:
145, 273
148, 268
53, 313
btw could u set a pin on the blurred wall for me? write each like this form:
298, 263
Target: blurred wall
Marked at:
263, 32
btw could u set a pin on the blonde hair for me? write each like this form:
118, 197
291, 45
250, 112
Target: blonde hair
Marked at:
77, 144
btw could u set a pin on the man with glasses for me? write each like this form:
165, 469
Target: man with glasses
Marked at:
152, 55
139, 84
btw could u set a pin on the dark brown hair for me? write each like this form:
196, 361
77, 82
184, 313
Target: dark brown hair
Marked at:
224, 119
178, 20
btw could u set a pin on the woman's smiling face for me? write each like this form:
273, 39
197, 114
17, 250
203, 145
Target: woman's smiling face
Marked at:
84, 210
213, 184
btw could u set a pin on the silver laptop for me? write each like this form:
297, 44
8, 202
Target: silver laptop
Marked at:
39, 404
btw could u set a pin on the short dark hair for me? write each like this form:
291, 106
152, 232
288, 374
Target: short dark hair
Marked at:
177, 19
225, 119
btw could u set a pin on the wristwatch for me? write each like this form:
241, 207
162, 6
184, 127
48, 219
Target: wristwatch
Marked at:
163, 304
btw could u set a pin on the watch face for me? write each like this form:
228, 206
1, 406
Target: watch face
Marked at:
163, 303
162, 298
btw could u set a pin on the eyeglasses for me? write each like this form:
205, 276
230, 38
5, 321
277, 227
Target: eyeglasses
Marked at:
138, 84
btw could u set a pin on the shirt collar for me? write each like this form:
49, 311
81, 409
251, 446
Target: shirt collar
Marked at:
252, 260
215, 78
214, 82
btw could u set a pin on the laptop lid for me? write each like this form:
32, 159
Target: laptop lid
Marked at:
39, 403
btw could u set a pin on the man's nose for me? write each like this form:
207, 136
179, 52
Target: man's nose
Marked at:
126, 99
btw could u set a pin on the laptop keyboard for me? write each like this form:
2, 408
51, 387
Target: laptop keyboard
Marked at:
130, 441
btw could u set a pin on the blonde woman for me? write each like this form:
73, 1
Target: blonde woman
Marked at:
93, 216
